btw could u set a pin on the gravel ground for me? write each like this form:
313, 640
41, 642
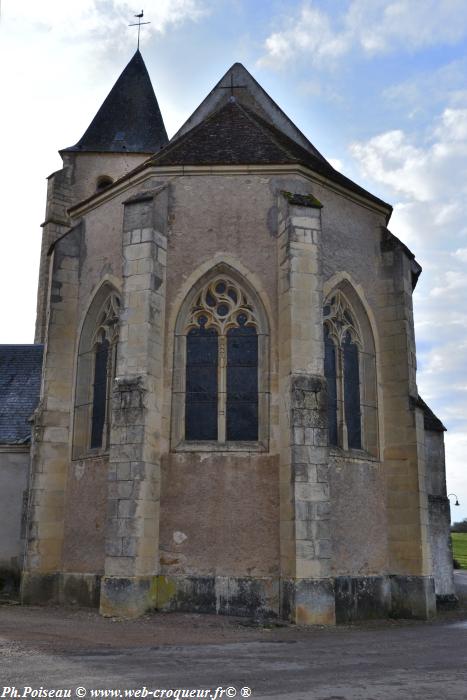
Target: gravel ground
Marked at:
57, 648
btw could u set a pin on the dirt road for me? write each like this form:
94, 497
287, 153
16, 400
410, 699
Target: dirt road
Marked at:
55, 648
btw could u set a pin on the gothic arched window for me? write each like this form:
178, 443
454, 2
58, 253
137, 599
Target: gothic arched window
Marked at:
221, 367
95, 373
349, 368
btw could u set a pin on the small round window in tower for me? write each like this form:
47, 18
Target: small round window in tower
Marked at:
103, 181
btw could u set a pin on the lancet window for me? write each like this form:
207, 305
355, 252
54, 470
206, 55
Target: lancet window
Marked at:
222, 347
95, 373
349, 366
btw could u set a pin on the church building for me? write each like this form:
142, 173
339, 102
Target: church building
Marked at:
228, 418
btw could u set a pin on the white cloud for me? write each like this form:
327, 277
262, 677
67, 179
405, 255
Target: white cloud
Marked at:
391, 159
386, 25
311, 33
435, 171
337, 164
428, 177
84, 17
454, 281
66, 57
453, 127
372, 26
429, 90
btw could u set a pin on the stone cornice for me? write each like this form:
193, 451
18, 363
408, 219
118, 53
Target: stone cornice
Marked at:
122, 185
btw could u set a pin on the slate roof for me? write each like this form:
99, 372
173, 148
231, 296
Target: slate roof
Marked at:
20, 381
240, 83
129, 119
235, 135
430, 421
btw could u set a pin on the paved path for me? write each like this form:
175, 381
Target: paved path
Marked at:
382, 661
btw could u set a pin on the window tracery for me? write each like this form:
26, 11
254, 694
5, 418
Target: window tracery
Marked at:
344, 369
223, 305
105, 344
222, 365
95, 373
221, 347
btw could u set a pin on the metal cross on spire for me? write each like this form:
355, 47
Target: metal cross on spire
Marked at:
139, 23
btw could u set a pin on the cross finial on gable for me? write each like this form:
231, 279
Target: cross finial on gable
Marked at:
231, 86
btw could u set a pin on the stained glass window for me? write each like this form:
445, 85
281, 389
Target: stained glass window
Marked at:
352, 393
222, 385
342, 339
96, 367
99, 397
242, 383
201, 384
331, 378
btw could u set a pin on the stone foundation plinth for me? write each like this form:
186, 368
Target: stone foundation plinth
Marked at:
343, 599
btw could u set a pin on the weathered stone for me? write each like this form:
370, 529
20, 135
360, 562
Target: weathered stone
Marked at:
273, 517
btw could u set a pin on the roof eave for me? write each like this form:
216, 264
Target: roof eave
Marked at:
148, 169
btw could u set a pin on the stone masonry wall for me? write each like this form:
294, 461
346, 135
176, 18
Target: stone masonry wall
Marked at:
307, 595
14, 477
439, 514
76, 181
132, 541
52, 424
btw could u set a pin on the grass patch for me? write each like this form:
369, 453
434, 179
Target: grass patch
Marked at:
459, 547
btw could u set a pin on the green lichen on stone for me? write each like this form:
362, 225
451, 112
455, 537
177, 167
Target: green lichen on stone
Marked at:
163, 590
302, 200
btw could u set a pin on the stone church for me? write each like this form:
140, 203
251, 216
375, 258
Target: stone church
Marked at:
228, 418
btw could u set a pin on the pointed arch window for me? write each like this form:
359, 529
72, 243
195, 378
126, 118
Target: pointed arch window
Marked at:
97, 357
349, 367
220, 392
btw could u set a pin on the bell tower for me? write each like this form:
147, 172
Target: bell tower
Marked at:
127, 129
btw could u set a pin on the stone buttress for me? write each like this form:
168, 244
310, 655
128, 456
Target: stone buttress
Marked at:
307, 595
132, 542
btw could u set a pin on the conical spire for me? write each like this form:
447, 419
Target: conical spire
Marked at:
129, 120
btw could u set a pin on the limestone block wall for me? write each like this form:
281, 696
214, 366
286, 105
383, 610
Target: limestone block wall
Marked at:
291, 510
439, 515
404, 457
81, 261
220, 515
220, 219
353, 243
351, 255
14, 476
100, 261
358, 517
136, 444
52, 424
88, 167
435, 463
86, 509
307, 592
59, 198
73, 183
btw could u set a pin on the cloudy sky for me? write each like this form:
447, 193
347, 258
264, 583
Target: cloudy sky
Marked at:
379, 86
